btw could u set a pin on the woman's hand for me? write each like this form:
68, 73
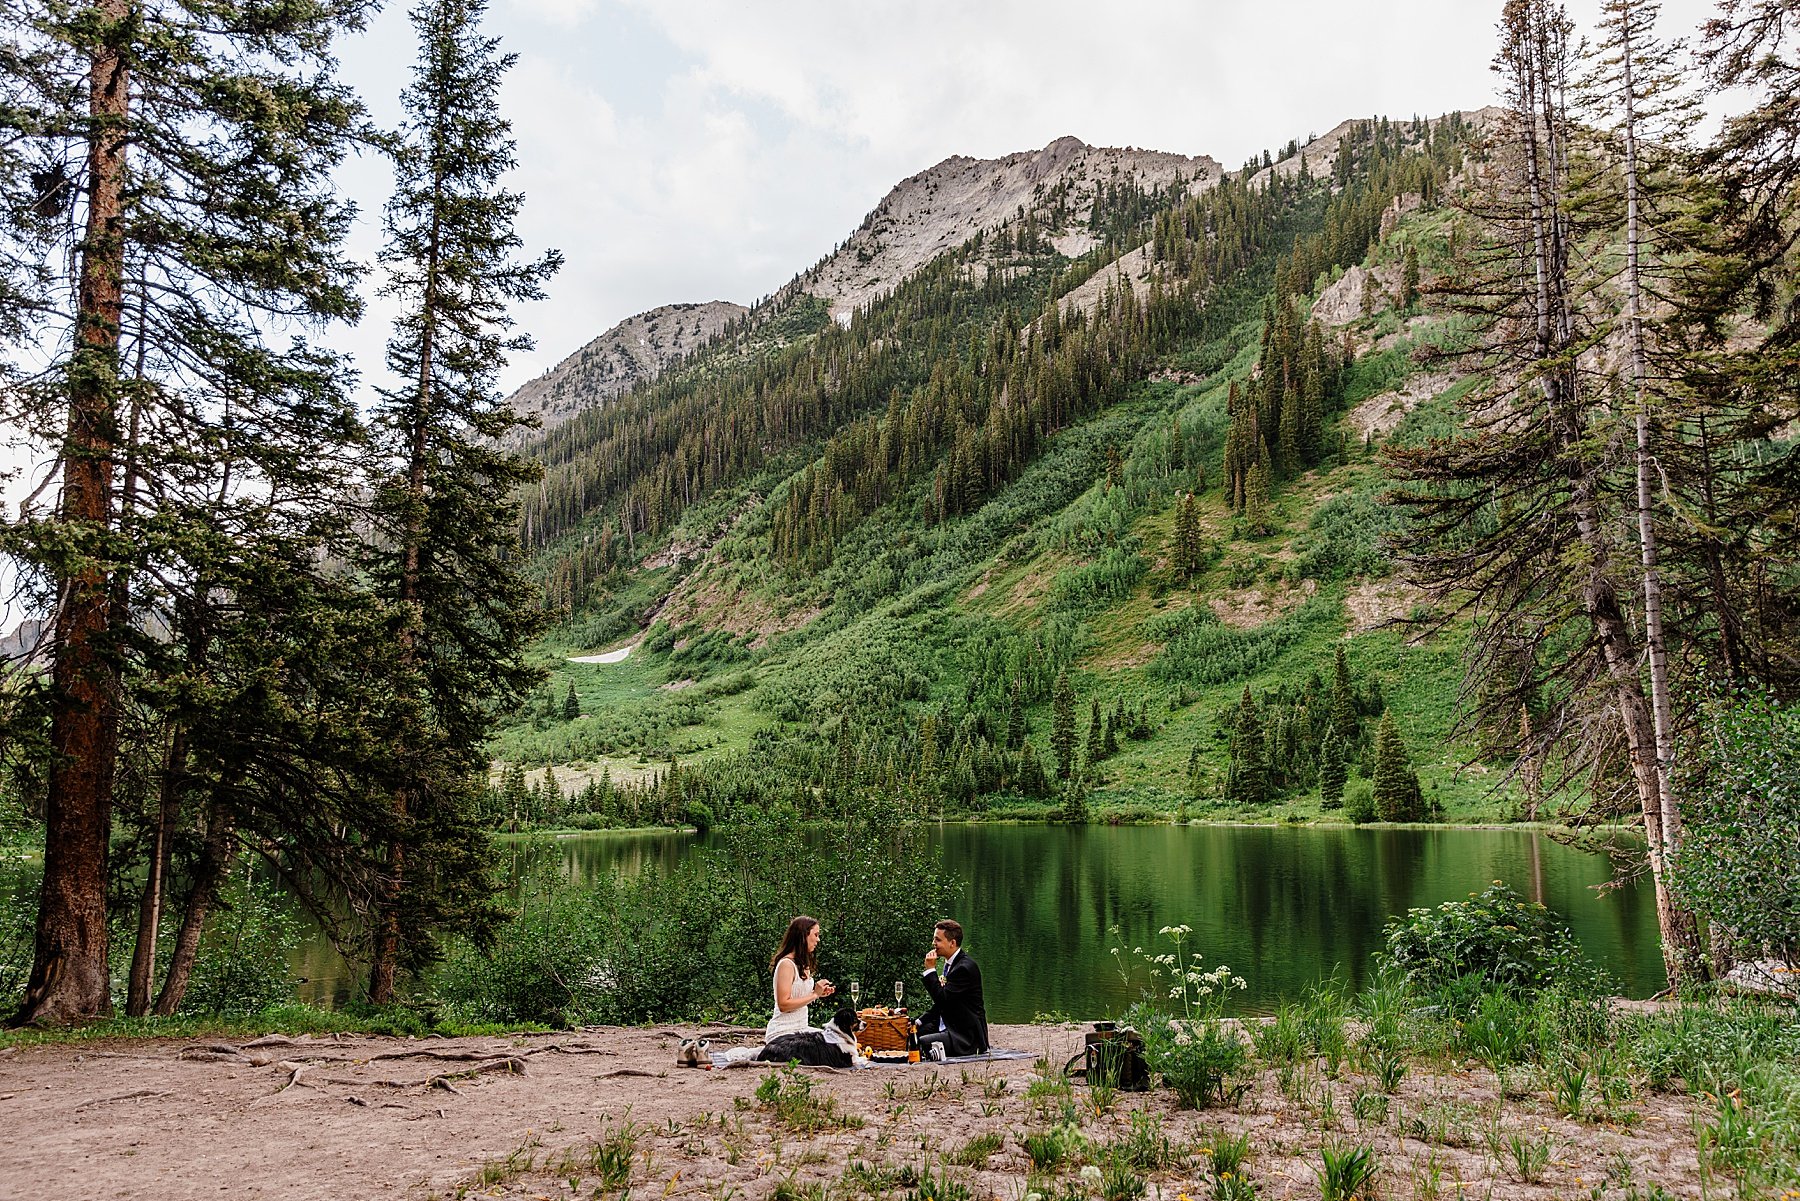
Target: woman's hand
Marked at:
824, 988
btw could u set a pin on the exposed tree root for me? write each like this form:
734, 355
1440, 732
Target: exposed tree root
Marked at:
130, 1096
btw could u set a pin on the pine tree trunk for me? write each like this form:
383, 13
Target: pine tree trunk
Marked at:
69, 979
143, 956
386, 950
216, 854
1656, 642
1681, 947
1541, 87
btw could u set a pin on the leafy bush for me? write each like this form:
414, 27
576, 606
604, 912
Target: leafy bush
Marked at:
1495, 937
1196, 1059
242, 966
1739, 864
1195, 1053
1347, 537
1201, 650
18, 918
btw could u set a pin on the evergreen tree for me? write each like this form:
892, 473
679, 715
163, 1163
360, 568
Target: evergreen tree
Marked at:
550, 803
1345, 722
1062, 725
1409, 279
1333, 771
1096, 735
571, 706
166, 173
1256, 496
448, 532
928, 753
515, 796
1542, 433
1017, 731
1247, 775
1397, 795
1186, 551
1032, 780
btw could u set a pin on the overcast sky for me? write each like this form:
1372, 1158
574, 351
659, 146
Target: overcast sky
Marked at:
691, 150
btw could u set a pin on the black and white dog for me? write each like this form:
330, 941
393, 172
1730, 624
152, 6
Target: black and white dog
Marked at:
834, 1047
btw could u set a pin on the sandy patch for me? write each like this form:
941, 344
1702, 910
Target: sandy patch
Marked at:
517, 1117
713, 599
1377, 602
1379, 416
1248, 608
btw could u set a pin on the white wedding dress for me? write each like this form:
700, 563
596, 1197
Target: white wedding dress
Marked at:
794, 1020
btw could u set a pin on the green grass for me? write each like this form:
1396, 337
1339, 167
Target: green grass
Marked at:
278, 1019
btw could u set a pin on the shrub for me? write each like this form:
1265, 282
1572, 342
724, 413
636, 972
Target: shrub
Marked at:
242, 966
1196, 1059
18, 923
1495, 937
1739, 864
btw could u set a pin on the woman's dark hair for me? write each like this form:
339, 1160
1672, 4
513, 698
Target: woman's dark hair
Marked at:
794, 943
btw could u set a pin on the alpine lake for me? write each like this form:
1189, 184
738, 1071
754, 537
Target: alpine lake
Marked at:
1285, 906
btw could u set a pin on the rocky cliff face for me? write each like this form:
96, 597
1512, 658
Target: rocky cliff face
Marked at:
940, 208
637, 348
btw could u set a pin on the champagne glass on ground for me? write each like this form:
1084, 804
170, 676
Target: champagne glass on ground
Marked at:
856, 994
899, 991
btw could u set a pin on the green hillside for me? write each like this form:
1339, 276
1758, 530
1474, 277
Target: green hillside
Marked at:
869, 553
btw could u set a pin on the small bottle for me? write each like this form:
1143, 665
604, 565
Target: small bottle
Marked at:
912, 1043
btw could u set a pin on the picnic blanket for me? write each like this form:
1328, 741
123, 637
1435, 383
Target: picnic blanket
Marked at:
739, 1057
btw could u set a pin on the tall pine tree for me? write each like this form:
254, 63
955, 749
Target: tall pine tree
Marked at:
448, 554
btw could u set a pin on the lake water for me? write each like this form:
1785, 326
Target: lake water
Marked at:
1286, 907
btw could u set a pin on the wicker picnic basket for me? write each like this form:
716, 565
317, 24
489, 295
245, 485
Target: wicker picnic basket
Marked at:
884, 1031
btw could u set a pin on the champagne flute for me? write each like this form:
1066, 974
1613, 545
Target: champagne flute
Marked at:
899, 991
856, 994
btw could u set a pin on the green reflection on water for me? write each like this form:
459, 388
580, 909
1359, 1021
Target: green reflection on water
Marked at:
1285, 907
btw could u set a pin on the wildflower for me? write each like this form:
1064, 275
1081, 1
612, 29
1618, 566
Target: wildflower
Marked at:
1091, 1176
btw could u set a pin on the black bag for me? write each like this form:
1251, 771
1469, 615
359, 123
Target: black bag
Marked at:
1114, 1059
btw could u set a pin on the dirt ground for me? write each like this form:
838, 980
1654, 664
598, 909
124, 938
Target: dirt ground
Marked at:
520, 1116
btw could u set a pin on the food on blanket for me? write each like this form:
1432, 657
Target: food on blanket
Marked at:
889, 1057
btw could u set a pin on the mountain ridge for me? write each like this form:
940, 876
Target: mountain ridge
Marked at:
919, 219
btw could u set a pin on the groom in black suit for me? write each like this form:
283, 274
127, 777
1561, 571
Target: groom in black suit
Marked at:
957, 1019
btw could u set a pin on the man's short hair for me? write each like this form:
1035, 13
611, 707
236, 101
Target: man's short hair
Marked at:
952, 930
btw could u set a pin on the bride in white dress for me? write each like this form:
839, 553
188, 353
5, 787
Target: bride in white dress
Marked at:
794, 985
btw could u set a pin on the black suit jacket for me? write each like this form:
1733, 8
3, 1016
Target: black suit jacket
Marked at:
957, 1001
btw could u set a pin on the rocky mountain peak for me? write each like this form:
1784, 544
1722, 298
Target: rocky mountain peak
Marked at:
638, 348
943, 206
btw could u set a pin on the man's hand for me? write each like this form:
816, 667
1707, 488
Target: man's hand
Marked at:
931, 960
